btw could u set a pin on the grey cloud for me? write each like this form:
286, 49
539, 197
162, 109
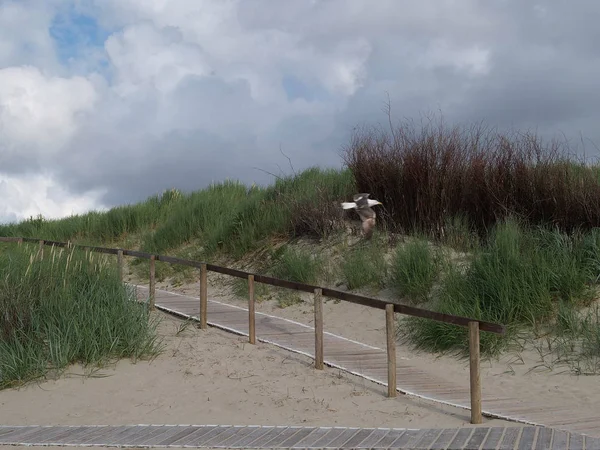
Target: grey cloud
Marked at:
543, 72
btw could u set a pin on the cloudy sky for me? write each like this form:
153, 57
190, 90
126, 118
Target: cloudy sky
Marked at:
105, 102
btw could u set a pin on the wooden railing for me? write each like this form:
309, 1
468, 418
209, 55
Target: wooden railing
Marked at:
474, 325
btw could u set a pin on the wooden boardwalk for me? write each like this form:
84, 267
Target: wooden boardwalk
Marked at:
371, 363
271, 437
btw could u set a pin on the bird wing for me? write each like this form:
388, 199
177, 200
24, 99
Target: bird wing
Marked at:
361, 199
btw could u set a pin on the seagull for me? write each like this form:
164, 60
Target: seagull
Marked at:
362, 203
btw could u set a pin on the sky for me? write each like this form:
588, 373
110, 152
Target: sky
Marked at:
107, 102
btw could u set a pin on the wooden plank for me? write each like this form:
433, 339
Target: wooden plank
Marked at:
121, 434
510, 438
592, 443
428, 438
296, 438
150, 436
75, 435
327, 439
251, 311
136, 433
26, 434
57, 437
575, 442
286, 435
152, 282
310, 439
391, 350
181, 434
203, 297
444, 439
461, 438
477, 437
157, 438
246, 440
341, 440
560, 440
475, 378
373, 439
52, 434
544, 439
231, 436
264, 438
389, 437
318, 310
408, 439
358, 439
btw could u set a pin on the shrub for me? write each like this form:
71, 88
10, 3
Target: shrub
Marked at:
425, 176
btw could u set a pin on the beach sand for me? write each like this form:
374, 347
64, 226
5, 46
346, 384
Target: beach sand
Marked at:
214, 377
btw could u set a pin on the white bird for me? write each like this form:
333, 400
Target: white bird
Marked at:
362, 203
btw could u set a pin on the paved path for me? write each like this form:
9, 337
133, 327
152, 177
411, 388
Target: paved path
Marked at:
226, 436
371, 363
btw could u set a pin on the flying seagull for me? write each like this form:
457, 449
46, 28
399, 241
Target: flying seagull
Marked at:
362, 203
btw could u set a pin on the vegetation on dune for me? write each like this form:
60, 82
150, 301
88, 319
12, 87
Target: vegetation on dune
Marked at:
429, 175
67, 308
503, 227
365, 265
524, 278
414, 269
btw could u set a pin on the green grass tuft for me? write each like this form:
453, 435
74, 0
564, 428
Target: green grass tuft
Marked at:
68, 308
365, 265
295, 264
415, 267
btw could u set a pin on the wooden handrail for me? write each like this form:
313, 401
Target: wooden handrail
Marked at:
390, 308
327, 292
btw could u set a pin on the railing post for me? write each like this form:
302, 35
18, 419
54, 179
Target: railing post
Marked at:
120, 263
152, 281
318, 309
474, 372
20, 241
203, 297
41, 250
391, 349
251, 315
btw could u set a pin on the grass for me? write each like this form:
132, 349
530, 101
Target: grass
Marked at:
365, 265
297, 264
525, 214
520, 277
414, 269
67, 308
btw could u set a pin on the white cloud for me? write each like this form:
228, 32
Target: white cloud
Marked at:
23, 197
24, 37
197, 90
39, 112
144, 56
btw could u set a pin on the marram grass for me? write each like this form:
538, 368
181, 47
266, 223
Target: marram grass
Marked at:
68, 308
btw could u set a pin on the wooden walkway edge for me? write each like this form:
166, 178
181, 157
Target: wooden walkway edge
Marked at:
271, 437
370, 363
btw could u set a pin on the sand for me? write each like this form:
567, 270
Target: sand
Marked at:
214, 377
519, 374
